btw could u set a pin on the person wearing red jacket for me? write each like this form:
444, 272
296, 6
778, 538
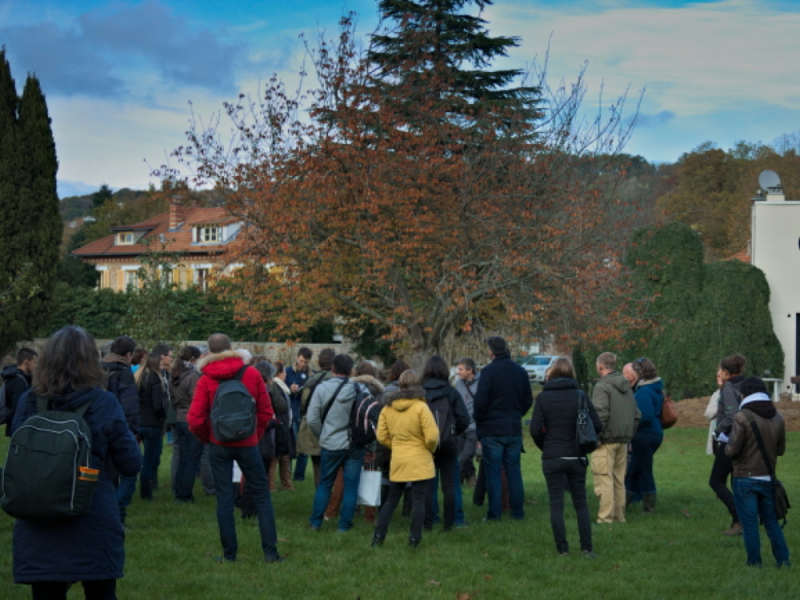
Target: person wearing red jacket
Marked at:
221, 364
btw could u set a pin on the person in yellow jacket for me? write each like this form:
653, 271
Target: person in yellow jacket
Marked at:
406, 426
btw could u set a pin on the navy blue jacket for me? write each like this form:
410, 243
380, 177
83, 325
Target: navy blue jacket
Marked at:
503, 397
649, 399
92, 546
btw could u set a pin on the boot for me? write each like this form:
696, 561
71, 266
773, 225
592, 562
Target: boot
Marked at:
377, 540
736, 529
649, 501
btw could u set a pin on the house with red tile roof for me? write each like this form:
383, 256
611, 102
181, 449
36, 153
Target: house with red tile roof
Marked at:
199, 237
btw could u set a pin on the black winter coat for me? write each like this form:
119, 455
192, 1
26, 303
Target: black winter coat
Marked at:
555, 417
121, 383
17, 383
503, 398
438, 388
152, 410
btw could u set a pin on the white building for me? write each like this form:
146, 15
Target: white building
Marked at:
775, 250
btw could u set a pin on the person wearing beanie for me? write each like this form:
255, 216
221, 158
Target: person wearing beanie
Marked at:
502, 398
753, 486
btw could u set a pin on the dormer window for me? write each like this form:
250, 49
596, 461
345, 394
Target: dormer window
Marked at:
125, 238
208, 234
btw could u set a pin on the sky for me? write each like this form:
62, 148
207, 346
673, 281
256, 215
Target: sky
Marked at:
124, 78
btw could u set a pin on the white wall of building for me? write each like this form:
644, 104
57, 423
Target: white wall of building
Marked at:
776, 251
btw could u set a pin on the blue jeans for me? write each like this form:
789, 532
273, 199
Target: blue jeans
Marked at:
755, 498
301, 460
153, 444
191, 451
330, 461
434, 508
639, 479
252, 467
503, 452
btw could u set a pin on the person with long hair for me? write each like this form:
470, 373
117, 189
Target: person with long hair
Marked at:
406, 426
553, 429
438, 390
182, 381
90, 548
731, 373
649, 393
152, 413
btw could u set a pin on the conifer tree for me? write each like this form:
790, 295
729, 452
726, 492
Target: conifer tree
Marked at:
32, 223
435, 48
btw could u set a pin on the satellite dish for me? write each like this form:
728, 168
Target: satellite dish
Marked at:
769, 180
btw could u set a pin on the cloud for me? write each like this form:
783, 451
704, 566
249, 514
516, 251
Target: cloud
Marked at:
102, 53
654, 120
696, 59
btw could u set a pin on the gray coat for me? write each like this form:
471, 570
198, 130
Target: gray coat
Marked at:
332, 433
467, 391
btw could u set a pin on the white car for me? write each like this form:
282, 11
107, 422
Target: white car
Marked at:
536, 366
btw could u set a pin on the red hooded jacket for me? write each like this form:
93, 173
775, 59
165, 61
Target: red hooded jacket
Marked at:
216, 368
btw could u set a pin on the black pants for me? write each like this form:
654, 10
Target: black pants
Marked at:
103, 589
419, 490
561, 474
445, 460
720, 471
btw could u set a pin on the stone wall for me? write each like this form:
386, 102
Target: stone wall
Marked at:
284, 352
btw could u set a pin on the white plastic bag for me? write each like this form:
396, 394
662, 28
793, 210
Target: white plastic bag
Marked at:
369, 488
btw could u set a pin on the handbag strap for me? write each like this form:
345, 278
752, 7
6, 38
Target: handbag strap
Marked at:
750, 417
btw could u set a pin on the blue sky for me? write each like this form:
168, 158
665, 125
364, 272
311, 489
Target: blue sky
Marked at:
119, 75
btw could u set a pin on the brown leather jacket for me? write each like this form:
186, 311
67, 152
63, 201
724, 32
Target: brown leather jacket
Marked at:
743, 448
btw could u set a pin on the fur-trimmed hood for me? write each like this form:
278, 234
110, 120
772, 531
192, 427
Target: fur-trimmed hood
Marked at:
404, 397
221, 365
375, 387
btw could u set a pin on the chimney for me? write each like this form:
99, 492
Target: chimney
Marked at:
175, 214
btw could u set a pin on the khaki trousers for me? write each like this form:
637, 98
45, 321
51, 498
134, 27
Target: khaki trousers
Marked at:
609, 463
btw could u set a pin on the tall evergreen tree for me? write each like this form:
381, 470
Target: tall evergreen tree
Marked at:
33, 226
434, 47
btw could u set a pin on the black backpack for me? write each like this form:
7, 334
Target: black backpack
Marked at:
443, 415
47, 476
233, 413
363, 417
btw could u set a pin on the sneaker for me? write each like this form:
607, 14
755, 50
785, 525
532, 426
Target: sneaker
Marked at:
589, 554
564, 553
462, 525
736, 529
274, 559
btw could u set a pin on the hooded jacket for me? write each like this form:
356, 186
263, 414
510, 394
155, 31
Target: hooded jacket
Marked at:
616, 406
503, 397
90, 547
121, 383
16, 383
333, 432
220, 367
182, 391
406, 426
438, 388
742, 447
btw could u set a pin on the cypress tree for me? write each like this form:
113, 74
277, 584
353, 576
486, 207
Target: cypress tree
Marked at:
34, 225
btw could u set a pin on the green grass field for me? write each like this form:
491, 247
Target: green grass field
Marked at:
678, 552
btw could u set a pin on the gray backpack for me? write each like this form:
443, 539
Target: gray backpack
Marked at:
47, 476
233, 413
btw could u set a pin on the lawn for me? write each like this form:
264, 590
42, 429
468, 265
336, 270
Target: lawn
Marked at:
678, 552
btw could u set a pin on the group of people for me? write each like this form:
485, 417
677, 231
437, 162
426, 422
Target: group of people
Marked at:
428, 432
